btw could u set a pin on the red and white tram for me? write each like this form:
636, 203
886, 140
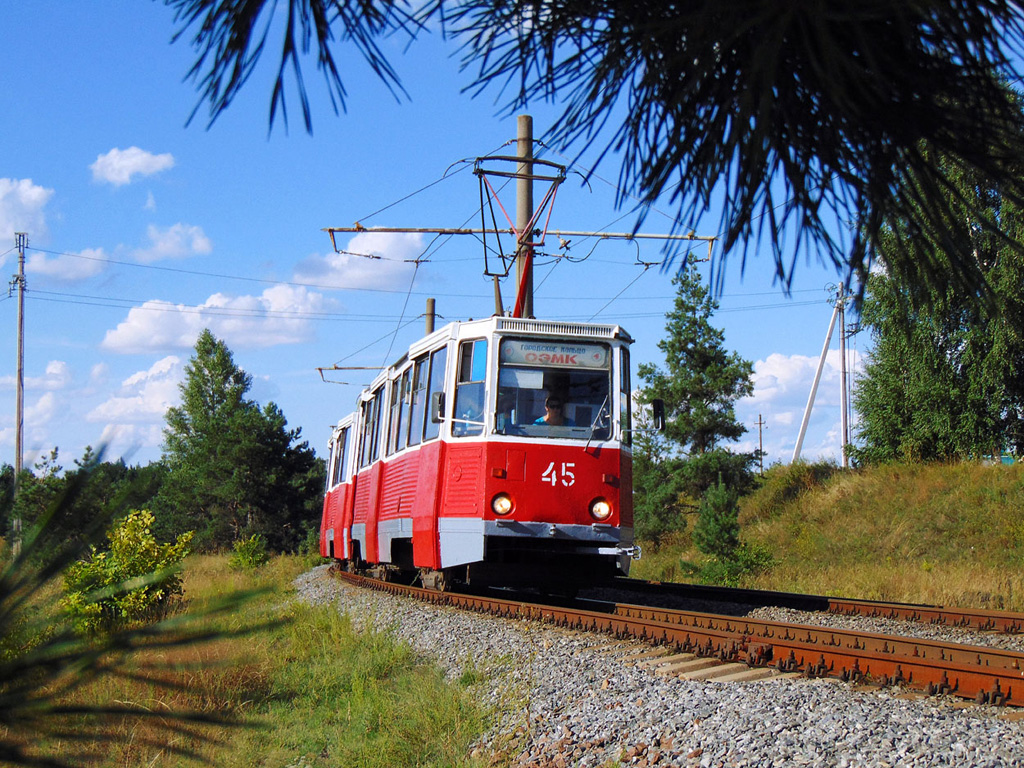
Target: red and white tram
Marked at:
495, 451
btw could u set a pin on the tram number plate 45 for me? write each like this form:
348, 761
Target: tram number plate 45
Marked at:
565, 475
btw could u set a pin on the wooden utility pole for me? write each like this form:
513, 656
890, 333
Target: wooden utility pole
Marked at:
760, 443
20, 238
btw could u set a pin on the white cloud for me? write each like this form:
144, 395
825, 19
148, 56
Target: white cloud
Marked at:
56, 378
118, 166
280, 315
782, 385
67, 267
21, 209
144, 397
175, 242
99, 374
785, 418
356, 269
42, 412
126, 439
150, 202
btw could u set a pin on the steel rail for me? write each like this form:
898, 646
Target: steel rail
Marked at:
984, 674
971, 618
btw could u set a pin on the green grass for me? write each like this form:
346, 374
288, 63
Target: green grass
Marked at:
946, 534
309, 691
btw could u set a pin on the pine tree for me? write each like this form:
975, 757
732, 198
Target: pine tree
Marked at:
788, 117
717, 531
233, 469
700, 385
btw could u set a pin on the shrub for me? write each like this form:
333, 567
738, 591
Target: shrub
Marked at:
717, 531
745, 560
249, 554
131, 583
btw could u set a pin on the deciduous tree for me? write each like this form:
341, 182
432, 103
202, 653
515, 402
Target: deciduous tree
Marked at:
945, 378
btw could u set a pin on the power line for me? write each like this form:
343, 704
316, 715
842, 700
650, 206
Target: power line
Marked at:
427, 259
159, 305
613, 298
243, 278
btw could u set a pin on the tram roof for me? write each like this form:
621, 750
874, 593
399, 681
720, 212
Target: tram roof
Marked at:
500, 324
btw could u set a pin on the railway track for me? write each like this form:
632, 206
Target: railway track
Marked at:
968, 618
986, 675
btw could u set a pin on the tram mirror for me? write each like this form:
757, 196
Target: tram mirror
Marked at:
437, 407
658, 412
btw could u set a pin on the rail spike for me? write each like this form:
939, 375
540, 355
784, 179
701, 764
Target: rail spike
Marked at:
993, 696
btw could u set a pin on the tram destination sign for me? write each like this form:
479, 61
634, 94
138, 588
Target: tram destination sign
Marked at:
516, 352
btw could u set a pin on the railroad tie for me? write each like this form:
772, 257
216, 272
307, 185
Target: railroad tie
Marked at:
682, 667
716, 672
662, 661
647, 656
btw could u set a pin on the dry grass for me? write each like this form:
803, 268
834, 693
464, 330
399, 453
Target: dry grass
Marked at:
307, 690
222, 679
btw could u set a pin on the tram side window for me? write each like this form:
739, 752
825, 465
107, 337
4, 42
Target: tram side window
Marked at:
399, 398
625, 407
332, 468
403, 426
417, 401
339, 474
438, 361
378, 417
365, 431
469, 389
371, 430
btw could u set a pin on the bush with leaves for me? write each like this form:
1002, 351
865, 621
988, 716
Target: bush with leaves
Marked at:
717, 531
249, 554
44, 660
131, 583
746, 560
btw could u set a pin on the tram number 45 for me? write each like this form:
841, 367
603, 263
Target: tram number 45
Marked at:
565, 475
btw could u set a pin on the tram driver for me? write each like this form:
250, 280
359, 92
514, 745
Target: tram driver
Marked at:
554, 413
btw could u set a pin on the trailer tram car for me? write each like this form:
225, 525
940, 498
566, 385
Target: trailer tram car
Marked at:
449, 472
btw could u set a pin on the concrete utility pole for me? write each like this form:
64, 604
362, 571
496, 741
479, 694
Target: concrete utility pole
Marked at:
524, 214
20, 239
845, 428
838, 311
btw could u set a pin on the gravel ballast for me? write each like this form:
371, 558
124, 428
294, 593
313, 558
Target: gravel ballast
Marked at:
565, 698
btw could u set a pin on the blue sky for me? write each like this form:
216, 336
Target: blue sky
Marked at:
143, 230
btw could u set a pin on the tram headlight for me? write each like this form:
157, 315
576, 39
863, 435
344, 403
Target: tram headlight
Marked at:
502, 505
600, 509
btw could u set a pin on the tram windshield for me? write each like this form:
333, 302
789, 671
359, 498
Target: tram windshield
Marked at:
552, 389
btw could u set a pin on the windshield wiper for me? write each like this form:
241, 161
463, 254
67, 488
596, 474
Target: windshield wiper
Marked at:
597, 419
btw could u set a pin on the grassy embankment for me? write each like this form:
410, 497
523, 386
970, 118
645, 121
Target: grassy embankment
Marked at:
941, 534
310, 691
